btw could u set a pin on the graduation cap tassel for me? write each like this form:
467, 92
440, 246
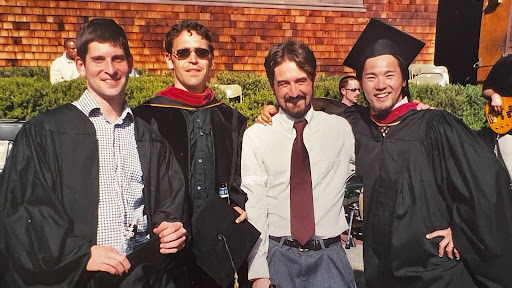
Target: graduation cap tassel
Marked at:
221, 237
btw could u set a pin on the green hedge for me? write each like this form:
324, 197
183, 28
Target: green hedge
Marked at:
25, 92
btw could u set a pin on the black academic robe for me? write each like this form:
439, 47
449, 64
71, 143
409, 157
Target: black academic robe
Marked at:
49, 199
228, 125
430, 172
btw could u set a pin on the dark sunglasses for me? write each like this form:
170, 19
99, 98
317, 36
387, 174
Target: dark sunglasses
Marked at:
184, 53
353, 89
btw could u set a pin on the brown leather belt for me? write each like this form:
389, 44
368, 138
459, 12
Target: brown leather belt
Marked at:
312, 244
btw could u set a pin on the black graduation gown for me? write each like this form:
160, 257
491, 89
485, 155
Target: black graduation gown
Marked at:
49, 199
228, 125
431, 172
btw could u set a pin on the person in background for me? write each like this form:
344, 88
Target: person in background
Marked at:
88, 183
498, 85
349, 88
294, 174
204, 133
64, 68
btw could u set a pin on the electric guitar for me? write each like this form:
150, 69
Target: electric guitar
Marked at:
500, 123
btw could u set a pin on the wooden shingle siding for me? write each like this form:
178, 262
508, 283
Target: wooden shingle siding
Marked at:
32, 31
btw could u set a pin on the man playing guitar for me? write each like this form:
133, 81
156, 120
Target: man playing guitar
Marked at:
498, 90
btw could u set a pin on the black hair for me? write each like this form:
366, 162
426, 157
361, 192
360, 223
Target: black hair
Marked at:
103, 30
294, 51
187, 25
344, 81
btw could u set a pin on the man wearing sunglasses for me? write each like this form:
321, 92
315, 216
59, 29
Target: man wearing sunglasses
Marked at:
349, 89
205, 134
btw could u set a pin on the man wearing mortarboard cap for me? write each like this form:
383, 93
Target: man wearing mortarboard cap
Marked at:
423, 171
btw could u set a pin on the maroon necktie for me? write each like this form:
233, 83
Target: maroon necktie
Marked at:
301, 192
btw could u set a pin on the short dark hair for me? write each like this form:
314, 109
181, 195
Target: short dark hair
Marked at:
187, 25
67, 41
294, 51
404, 70
101, 30
344, 81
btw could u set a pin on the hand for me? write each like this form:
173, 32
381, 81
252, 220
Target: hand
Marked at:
261, 283
266, 114
496, 102
243, 214
447, 243
107, 259
172, 236
421, 105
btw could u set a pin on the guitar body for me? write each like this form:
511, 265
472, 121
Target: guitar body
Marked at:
500, 123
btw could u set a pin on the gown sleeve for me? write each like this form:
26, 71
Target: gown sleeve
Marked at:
35, 230
478, 197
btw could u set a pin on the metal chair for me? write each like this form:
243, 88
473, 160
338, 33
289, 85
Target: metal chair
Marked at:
8, 131
233, 92
353, 189
428, 74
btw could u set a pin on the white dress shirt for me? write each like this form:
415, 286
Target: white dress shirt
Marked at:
266, 156
63, 69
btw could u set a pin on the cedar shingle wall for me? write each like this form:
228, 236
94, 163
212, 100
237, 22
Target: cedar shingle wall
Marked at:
32, 32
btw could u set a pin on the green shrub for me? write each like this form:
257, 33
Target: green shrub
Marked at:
140, 89
41, 72
25, 92
327, 86
464, 102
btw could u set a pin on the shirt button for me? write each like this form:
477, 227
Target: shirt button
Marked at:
201, 133
200, 160
198, 187
198, 120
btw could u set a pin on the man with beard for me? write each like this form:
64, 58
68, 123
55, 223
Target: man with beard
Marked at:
294, 174
422, 171
204, 133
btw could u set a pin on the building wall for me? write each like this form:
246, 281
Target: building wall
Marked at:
32, 31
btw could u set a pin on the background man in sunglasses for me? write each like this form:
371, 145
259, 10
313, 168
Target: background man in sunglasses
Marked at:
205, 134
349, 89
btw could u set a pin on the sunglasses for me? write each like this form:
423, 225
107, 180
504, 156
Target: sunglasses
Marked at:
353, 89
184, 53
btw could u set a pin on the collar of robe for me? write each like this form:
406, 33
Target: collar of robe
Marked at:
192, 100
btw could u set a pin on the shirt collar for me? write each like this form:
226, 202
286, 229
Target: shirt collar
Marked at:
66, 57
401, 102
91, 108
287, 120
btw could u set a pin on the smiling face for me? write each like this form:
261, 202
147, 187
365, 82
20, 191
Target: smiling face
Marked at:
293, 89
106, 69
191, 73
382, 83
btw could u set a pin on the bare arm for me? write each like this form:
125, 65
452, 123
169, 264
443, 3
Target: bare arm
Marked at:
495, 98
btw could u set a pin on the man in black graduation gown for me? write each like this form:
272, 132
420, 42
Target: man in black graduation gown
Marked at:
423, 171
80, 175
204, 133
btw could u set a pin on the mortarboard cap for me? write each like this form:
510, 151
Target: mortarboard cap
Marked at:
214, 227
379, 38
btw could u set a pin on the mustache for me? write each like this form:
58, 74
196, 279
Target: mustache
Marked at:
295, 99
